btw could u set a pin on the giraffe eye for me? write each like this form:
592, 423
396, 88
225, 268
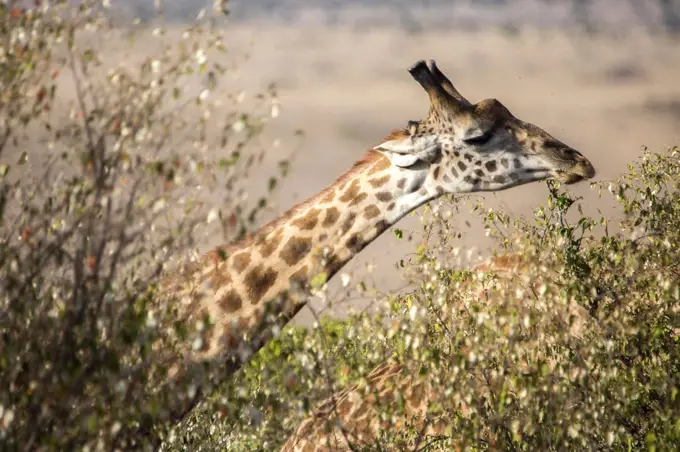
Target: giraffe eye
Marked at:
480, 140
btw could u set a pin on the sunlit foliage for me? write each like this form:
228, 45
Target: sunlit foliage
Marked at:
109, 170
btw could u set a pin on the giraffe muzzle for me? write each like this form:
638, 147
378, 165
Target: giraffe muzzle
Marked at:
581, 170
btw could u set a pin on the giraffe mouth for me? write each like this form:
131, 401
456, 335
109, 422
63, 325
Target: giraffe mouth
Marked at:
568, 178
582, 170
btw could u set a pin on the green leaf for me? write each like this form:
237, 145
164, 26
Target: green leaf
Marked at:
319, 280
88, 55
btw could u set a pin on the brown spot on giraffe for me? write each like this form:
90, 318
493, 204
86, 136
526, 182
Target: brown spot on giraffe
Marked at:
384, 196
257, 316
309, 221
295, 249
300, 276
231, 340
348, 223
401, 183
380, 226
371, 211
219, 277
232, 329
243, 323
359, 198
351, 192
381, 165
231, 302
355, 243
377, 183
241, 261
258, 281
259, 237
270, 245
332, 263
471, 180
332, 215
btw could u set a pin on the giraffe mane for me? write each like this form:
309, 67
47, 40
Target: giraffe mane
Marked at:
397, 134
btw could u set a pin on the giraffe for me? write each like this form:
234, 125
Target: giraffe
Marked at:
247, 291
353, 415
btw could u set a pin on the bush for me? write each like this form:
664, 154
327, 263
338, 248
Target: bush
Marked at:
107, 172
572, 342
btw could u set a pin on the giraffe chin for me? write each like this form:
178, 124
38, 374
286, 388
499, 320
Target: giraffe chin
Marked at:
568, 178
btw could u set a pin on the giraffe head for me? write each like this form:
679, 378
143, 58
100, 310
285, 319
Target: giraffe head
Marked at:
463, 147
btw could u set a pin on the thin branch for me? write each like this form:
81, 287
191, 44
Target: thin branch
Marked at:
329, 383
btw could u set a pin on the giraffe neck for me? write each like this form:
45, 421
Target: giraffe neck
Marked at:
251, 288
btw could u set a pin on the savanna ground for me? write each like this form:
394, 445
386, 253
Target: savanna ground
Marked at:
607, 96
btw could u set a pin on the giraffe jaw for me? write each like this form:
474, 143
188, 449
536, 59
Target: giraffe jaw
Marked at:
568, 178
580, 171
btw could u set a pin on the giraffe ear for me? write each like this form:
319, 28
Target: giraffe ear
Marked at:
404, 151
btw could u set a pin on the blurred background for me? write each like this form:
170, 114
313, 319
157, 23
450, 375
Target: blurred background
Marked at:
418, 15
600, 75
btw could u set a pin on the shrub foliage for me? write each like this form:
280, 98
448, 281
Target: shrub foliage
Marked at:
573, 346
108, 171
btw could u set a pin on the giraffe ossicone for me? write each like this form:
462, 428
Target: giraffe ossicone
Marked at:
246, 290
